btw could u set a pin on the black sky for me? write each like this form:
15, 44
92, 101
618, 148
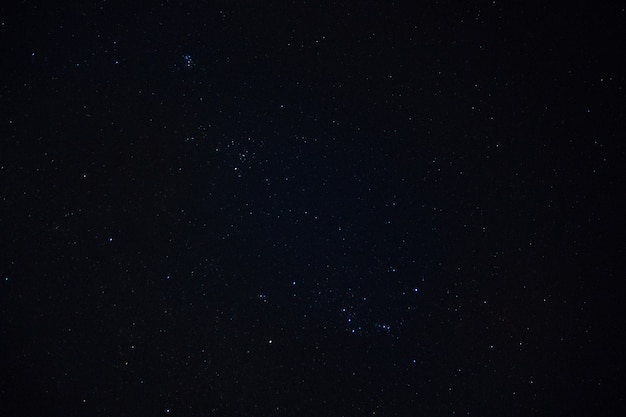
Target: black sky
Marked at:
335, 209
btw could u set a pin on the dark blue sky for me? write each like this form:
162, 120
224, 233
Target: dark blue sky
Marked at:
303, 209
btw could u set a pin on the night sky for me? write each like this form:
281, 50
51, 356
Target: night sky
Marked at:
238, 208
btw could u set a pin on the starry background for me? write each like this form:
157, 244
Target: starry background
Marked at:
311, 208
